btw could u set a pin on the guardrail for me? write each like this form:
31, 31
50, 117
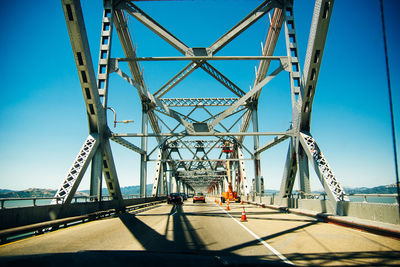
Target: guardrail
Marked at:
42, 227
323, 196
77, 199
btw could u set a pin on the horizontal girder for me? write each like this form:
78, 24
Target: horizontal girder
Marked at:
193, 102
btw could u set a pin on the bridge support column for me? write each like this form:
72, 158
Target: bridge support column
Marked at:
97, 174
143, 158
257, 167
304, 175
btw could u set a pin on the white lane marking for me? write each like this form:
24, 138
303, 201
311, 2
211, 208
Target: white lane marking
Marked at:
261, 241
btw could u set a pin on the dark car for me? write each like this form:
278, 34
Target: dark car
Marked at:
175, 198
184, 196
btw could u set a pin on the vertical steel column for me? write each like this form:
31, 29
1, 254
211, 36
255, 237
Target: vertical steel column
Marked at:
105, 51
242, 172
164, 189
296, 88
256, 140
304, 175
289, 173
171, 187
158, 174
143, 157
96, 175
102, 85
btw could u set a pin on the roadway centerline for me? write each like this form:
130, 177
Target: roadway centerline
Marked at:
277, 253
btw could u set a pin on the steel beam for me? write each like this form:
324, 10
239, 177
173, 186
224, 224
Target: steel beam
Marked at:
245, 23
194, 102
272, 143
222, 79
127, 144
154, 26
268, 50
312, 63
199, 58
289, 133
290, 170
324, 172
158, 174
252, 92
71, 182
83, 60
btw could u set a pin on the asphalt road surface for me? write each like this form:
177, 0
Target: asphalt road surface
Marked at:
199, 234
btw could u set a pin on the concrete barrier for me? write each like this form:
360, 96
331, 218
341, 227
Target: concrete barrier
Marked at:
15, 217
379, 212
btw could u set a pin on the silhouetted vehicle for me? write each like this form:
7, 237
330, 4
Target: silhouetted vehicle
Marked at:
175, 198
184, 196
199, 197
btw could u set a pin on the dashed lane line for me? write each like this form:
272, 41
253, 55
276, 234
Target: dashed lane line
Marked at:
277, 253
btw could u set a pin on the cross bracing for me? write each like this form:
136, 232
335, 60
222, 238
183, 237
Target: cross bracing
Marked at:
200, 141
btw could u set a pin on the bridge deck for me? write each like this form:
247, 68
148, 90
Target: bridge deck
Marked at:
207, 229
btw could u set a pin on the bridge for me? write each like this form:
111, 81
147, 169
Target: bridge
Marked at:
198, 144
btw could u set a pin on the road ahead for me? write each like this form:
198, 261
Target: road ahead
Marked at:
207, 232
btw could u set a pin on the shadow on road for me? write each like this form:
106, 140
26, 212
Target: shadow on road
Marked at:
184, 237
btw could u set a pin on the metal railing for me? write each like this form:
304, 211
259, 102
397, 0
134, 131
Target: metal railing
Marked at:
366, 198
7, 235
36, 200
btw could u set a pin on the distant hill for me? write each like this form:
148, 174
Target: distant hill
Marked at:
383, 189
31, 192
5, 191
127, 190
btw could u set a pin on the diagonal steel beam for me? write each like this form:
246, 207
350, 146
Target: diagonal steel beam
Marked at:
312, 63
71, 182
222, 79
252, 92
186, 71
125, 143
324, 172
268, 50
83, 60
245, 23
154, 26
272, 143
151, 98
120, 23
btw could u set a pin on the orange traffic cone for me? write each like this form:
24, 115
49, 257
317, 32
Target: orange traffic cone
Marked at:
220, 203
243, 218
241, 202
227, 206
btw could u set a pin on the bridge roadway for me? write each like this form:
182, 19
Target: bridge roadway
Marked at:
204, 234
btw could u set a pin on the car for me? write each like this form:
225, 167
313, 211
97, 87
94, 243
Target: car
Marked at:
199, 197
184, 196
190, 195
174, 198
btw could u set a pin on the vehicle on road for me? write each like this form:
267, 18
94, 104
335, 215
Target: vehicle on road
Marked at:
175, 198
199, 197
184, 196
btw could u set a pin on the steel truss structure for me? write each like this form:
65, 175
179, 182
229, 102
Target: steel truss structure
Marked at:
199, 152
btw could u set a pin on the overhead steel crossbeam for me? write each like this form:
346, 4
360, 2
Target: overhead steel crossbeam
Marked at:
256, 14
193, 102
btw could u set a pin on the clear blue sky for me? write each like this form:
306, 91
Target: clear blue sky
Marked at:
43, 115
